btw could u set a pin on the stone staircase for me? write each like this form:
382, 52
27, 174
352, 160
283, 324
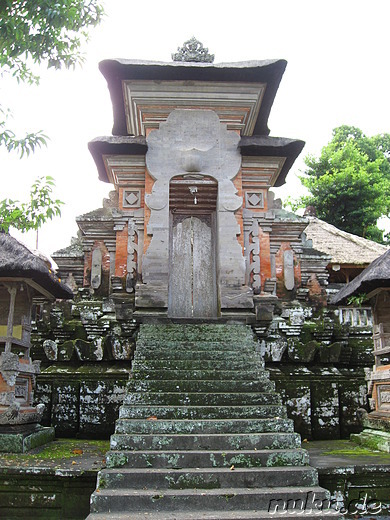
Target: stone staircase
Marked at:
202, 434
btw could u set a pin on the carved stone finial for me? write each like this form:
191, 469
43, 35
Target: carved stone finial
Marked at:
193, 50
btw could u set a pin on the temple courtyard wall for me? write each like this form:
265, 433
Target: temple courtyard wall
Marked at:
318, 361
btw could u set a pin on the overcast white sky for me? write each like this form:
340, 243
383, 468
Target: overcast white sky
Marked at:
337, 73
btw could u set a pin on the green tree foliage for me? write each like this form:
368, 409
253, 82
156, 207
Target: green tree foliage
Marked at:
44, 31
33, 33
21, 145
349, 183
39, 208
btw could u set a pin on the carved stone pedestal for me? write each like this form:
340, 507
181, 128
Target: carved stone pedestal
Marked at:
24, 437
376, 433
19, 428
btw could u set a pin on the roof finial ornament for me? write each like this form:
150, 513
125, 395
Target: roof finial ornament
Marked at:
193, 50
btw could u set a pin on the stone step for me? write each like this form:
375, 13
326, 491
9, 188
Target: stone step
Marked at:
225, 348
225, 499
192, 364
206, 478
234, 341
226, 441
288, 510
195, 332
188, 333
200, 375
202, 398
201, 434
207, 426
191, 385
235, 344
138, 411
188, 354
208, 459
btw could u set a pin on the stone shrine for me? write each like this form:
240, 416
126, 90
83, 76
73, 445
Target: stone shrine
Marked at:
192, 232
188, 264
23, 277
373, 284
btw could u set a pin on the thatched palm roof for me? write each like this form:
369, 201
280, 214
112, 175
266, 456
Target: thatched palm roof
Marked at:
376, 275
343, 247
16, 261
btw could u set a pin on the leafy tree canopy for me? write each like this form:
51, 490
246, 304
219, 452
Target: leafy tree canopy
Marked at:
32, 33
35, 32
39, 208
44, 31
349, 183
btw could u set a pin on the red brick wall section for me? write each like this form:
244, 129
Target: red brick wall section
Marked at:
265, 257
317, 293
121, 253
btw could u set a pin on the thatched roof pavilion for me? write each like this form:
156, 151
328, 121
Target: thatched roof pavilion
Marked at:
375, 276
349, 253
17, 261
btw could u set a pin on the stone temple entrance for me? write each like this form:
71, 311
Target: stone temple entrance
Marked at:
192, 281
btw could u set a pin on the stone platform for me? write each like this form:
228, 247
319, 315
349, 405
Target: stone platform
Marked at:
55, 481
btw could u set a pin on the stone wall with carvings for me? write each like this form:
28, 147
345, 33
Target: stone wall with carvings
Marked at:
85, 348
318, 360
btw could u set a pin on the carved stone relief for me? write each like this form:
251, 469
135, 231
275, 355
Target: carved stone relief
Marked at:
254, 199
252, 251
193, 50
132, 254
288, 270
254, 255
131, 198
96, 269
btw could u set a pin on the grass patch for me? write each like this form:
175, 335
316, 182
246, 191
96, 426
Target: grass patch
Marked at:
357, 451
344, 448
61, 449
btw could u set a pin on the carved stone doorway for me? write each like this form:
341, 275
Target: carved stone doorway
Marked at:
192, 275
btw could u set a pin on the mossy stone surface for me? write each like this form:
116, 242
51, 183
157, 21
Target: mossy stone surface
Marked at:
23, 442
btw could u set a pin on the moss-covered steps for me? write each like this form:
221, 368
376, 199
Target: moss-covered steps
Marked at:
203, 435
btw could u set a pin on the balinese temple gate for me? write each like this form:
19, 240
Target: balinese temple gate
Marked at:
186, 266
191, 233
191, 162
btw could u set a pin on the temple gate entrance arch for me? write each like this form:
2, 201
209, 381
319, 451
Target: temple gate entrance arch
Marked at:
193, 275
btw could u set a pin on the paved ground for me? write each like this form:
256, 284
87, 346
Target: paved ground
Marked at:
333, 459
343, 454
71, 456
76, 455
